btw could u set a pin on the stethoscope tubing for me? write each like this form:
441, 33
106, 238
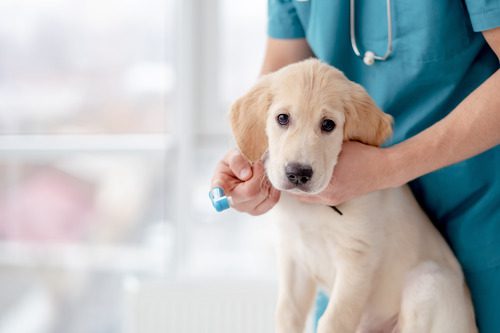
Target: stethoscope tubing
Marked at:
354, 44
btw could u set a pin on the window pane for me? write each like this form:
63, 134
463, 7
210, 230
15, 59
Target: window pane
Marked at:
230, 244
243, 37
82, 214
73, 228
49, 300
93, 198
94, 66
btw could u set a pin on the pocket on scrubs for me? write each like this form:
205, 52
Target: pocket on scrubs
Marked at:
429, 30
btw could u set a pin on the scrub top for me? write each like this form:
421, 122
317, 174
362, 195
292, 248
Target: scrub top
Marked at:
439, 57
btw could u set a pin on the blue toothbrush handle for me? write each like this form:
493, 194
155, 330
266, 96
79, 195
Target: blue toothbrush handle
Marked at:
219, 200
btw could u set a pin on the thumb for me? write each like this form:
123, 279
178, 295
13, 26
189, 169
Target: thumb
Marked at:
239, 165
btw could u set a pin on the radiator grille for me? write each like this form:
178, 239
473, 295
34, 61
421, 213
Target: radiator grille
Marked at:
202, 307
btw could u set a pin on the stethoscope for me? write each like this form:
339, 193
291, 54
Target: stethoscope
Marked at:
369, 57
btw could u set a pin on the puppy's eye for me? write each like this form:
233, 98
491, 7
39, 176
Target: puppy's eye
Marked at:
283, 119
327, 125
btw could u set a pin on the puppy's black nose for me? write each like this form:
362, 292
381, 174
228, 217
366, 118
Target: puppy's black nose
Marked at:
298, 174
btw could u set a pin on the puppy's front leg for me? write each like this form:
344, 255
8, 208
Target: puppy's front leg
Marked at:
296, 294
348, 298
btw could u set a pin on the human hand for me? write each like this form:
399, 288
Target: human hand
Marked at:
248, 185
360, 169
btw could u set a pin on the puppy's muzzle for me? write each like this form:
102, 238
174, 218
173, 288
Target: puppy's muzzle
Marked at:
298, 174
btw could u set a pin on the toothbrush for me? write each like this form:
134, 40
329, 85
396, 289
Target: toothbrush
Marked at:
219, 200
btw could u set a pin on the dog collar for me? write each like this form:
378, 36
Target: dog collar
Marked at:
336, 209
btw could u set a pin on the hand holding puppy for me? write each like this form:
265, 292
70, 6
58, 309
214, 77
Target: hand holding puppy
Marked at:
361, 169
247, 184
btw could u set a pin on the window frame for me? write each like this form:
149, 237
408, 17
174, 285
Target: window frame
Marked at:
177, 147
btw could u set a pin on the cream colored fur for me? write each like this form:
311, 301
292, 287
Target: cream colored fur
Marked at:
383, 264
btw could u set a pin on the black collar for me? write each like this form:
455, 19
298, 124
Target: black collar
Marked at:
336, 209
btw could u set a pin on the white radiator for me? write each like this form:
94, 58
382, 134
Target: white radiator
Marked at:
199, 307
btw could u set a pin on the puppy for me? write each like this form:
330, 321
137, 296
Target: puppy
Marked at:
383, 264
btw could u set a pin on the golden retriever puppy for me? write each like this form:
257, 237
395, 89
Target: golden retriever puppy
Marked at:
383, 264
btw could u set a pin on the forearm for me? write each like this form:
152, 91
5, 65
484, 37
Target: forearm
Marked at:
282, 52
471, 128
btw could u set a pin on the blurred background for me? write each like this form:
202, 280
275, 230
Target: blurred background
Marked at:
112, 118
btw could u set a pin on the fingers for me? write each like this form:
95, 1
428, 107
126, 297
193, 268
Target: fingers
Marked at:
268, 203
247, 195
248, 185
239, 165
317, 199
231, 170
308, 198
255, 196
252, 187
330, 196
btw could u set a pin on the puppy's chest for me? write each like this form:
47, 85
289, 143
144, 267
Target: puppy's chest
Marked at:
308, 234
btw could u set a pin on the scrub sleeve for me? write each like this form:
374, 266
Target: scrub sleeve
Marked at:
439, 57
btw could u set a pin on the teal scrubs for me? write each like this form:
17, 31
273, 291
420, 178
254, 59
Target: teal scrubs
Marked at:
439, 57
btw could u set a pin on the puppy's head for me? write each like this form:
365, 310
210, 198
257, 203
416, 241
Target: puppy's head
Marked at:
300, 115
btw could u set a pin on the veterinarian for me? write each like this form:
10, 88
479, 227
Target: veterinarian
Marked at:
441, 83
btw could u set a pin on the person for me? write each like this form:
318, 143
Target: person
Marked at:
441, 83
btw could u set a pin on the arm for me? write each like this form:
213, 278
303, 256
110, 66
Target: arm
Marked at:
282, 52
247, 184
471, 128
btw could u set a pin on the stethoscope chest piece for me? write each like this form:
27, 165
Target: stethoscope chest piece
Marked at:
369, 58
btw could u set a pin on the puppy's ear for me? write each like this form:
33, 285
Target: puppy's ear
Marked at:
248, 120
364, 121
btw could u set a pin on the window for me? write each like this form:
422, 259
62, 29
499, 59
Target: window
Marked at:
229, 244
84, 67
112, 118
86, 99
